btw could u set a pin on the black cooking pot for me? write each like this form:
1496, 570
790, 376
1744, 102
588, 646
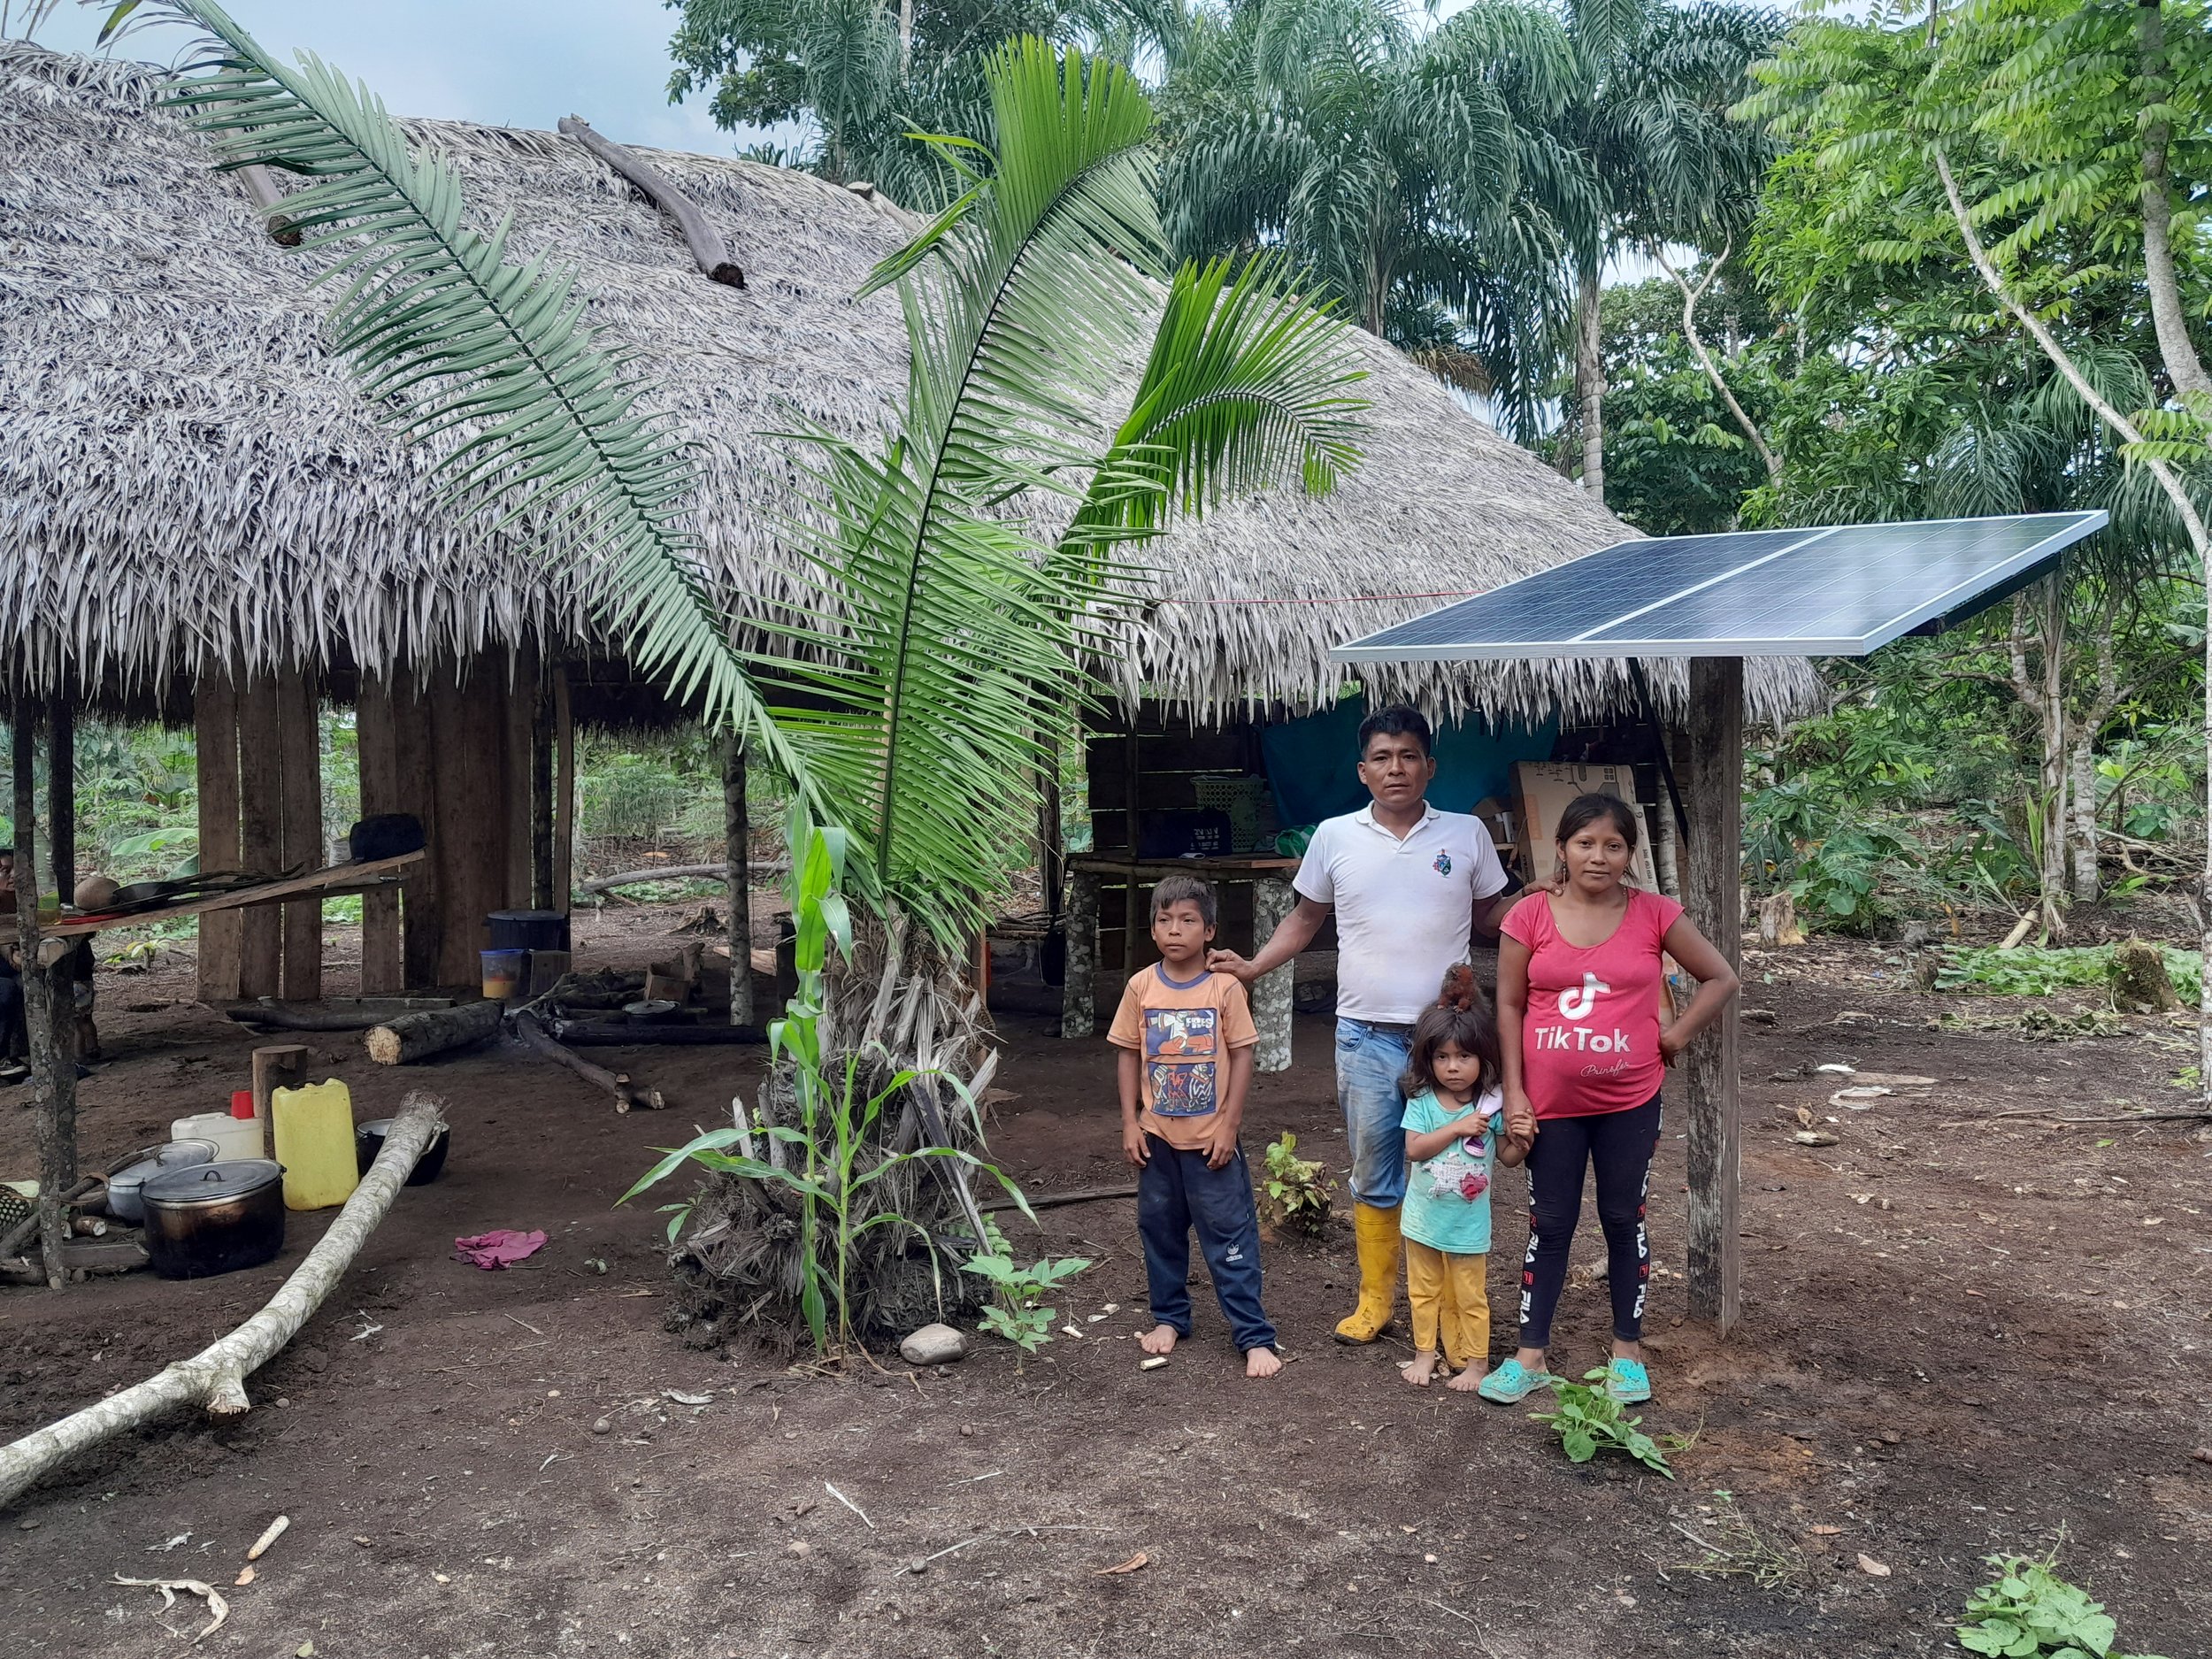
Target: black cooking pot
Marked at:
368, 1141
214, 1218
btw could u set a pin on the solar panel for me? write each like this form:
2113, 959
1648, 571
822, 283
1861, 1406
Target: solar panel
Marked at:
1837, 591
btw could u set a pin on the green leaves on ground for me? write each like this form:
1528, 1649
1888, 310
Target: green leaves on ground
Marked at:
1588, 1421
2030, 1612
2026, 971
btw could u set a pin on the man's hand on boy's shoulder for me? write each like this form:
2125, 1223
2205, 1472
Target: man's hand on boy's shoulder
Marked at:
1228, 961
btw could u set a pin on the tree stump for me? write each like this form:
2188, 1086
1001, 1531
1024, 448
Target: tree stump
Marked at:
1777, 922
2140, 983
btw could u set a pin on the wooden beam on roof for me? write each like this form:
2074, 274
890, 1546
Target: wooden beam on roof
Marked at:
1712, 894
708, 249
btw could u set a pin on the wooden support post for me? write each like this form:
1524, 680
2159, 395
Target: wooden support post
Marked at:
422, 898
276, 1064
261, 834
1133, 901
301, 845
215, 732
46, 1008
1079, 1011
736, 832
469, 837
514, 743
541, 798
61, 796
1272, 902
563, 793
382, 969
1052, 856
1712, 894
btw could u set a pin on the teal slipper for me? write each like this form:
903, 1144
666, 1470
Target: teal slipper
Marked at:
1627, 1381
1513, 1383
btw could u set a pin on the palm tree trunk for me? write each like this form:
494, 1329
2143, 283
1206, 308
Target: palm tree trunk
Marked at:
2167, 316
2039, 621
1590, 384
2082, 838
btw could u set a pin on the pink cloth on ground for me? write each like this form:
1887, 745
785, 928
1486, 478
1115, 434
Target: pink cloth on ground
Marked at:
495, 1249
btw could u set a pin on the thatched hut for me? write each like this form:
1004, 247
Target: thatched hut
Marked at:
208, 523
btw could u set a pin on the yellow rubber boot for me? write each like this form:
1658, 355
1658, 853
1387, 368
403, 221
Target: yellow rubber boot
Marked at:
1380, 1248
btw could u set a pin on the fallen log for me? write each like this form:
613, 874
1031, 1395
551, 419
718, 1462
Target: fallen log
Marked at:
215, 1378
413, 1037
709, 252
626, 1095
336, 1015
679, 872
82, 1255
593, 1034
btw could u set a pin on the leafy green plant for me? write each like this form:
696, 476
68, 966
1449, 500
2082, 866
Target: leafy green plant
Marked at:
2030, 1612
1019, 1314
1296, 1193
2026, 970
830, 1161
1588, 1421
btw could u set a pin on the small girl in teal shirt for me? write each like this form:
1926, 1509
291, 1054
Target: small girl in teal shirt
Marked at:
1452, 1142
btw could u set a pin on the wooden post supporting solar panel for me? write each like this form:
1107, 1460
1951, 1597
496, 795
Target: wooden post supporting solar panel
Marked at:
1712, 894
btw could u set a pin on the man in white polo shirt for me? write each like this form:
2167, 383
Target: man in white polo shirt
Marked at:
1409, 885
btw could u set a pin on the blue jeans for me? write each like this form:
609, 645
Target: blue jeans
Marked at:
1370, 1064
1177, 1192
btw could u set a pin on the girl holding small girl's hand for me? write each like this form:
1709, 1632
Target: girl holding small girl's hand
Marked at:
1452, 1142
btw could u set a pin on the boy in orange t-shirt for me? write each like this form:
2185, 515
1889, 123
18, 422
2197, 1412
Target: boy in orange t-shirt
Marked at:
1186, 1038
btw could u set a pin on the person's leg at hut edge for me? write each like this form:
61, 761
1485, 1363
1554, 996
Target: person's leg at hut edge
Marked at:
1371, 1062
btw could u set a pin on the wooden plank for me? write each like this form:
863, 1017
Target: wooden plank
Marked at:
276, 1064
215, 734
299, 756
1712, 894
519, 703
1205, 751
332, 882
61, 796
261, 833
469, 837
422, 900
541, 798
382, 971
564, 791
738, 877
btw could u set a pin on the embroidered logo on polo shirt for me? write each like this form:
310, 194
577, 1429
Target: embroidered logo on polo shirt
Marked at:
1443, 865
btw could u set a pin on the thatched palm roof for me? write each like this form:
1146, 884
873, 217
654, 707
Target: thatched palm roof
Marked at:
187, 476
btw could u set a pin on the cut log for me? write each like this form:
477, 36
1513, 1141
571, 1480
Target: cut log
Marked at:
215, 1378
626, 1095
82, 1257
706, 243
679, 872
2140, 983
413, 1037
1777, 922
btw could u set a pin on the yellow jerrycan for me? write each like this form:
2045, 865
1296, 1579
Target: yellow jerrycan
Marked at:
312, 1127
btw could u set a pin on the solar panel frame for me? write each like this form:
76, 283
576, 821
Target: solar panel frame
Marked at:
1619, 579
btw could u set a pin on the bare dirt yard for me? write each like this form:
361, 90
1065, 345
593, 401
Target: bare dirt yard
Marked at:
1965, 1330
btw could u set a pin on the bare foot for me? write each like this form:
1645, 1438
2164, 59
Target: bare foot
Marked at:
1468, 1380
1159, 1340
1418, 1369
1261, 1362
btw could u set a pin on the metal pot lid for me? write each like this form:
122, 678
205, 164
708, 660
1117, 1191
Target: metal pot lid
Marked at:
176, 1155
212, 1183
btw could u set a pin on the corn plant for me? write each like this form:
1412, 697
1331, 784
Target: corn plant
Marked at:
830, 1159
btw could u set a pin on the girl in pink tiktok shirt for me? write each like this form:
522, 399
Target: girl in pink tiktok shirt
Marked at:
1580, 968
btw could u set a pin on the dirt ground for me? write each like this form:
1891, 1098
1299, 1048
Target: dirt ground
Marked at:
1963, 1332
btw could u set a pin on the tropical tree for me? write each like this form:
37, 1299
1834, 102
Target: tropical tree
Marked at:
1950, 136
1070, 393
859, 83
1416, 175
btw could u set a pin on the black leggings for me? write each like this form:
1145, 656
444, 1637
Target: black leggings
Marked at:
1620, 1145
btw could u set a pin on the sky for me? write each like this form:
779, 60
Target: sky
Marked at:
515, 63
